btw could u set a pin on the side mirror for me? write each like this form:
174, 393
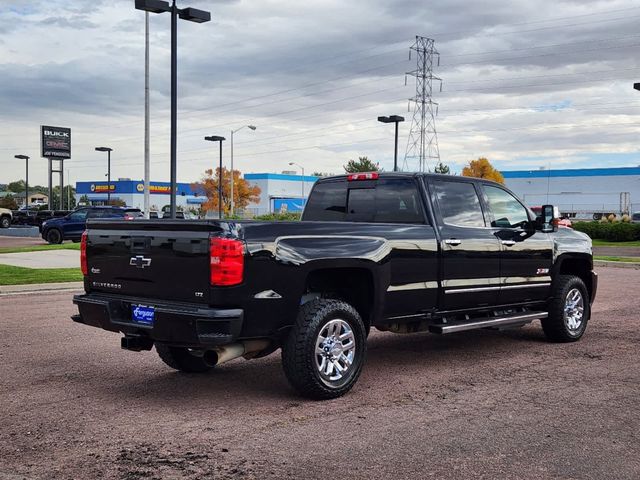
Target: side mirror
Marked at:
548, 219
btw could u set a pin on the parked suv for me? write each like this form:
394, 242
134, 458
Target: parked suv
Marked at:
71, 226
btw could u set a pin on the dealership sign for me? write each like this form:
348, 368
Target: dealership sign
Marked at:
55, 142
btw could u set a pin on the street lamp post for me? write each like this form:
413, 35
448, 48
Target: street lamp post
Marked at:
252, 127
26, 179
393, 119
216, 138
193, 15
301, 168
108, 150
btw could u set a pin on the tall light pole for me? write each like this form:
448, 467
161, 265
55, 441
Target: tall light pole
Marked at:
26, 179
193, 15
147, 173
302, 168
108, 150
252, 127
393, 119
216, 138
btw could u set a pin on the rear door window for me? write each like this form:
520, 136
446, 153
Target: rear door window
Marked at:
390, 200
459, 203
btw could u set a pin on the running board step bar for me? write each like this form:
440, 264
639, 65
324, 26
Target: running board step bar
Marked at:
509, 320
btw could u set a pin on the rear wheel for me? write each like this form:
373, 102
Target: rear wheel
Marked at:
182, 358
5, 222
569, 310
323, 355
54, 236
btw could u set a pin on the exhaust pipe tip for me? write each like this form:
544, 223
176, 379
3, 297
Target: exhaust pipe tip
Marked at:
210, 358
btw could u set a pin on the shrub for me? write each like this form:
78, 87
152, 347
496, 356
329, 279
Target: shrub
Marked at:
613, 232
280, 217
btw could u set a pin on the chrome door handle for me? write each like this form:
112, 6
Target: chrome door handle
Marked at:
508, 243
453, 241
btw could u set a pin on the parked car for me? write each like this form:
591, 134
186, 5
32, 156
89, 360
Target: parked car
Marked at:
6, 217
400, 252
635, 217
71, 226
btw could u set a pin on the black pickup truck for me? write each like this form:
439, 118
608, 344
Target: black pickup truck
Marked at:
401, 252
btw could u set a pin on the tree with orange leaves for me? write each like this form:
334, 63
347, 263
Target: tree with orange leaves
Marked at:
243, 192
482, 168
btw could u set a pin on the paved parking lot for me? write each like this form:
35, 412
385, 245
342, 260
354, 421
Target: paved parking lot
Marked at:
478, 405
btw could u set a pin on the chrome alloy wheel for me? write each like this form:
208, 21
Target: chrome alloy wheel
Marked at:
574, 310
335, 350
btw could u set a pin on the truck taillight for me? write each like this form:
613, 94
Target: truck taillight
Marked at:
363, 176
83, 254
227, 261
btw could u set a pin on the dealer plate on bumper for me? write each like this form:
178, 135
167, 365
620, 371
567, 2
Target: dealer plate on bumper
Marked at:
143, 314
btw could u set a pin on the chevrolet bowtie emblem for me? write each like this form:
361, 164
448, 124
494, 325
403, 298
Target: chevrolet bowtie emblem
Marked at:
139, 261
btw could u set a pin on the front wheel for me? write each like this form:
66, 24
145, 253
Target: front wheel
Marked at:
324, 352
5, 222
54, 236
569, 310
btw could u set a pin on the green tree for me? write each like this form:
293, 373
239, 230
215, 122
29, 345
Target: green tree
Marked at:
363, 164
482, 168
16, 187
442, 168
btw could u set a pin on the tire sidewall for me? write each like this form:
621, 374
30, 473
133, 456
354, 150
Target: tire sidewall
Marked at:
335, 311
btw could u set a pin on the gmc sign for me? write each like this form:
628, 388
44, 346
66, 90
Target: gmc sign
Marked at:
55, 142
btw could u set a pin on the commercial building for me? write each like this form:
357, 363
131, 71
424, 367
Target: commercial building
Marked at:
280, 192
131, 192
581, 193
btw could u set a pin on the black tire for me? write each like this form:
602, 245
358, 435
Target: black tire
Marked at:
5, 222
299, 356
54, 236
561, 326
180, 358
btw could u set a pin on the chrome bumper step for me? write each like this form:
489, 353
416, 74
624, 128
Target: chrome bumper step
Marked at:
488, 322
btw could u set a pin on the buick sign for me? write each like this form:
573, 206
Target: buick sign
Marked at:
55, 142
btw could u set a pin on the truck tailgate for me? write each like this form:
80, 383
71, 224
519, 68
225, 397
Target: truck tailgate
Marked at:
159, 259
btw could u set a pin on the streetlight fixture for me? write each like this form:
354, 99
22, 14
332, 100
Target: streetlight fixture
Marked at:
252, 127
301, 168
216, 138
192, 15
26, 179
636, 85
108, 150
393, 119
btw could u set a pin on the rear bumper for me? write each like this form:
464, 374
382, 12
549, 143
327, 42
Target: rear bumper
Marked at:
176, 324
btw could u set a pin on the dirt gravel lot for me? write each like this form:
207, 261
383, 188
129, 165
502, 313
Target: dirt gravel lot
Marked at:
478, 405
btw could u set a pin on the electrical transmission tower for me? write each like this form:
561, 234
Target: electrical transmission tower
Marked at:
423, 139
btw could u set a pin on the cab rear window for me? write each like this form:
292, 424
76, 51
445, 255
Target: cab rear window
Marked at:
392, 200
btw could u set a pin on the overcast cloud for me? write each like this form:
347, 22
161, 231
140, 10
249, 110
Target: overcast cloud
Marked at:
526, 84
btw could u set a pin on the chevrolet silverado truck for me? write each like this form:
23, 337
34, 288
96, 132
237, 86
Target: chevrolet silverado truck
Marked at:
400, 252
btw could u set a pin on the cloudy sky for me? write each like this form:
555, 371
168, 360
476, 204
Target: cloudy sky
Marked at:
526, 84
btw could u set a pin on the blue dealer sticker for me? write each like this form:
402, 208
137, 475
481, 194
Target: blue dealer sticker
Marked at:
143, 314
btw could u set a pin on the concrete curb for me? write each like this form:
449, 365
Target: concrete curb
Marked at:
25, 232
605, 263
41, 287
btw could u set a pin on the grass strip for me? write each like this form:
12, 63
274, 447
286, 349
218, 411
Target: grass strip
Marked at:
606, 243
10, 275
40, 248
617, 259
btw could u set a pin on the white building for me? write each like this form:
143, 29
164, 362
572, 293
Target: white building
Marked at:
280, 192
579, 192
